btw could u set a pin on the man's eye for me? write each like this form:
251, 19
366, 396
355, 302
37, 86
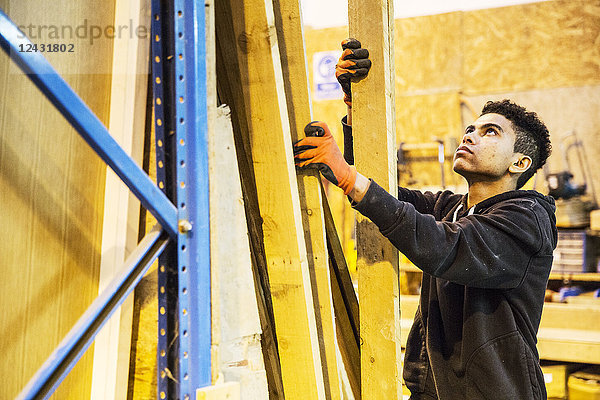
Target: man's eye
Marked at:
490, 131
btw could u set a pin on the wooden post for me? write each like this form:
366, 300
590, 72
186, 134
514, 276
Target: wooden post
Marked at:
290, 38
264, 127
345, 305
371, 22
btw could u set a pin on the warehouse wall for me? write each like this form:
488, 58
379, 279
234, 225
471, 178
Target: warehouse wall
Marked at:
543, 55
52, 198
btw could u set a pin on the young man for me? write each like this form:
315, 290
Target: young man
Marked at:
485, 256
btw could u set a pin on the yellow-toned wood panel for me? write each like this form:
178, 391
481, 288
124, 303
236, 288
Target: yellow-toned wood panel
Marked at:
144, 343
424, 119
144, 337
375, 156
539, 45
328, 39
429, 56
290, 37
52, 197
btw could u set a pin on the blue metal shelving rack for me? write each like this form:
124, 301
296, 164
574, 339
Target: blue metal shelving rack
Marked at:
179, 202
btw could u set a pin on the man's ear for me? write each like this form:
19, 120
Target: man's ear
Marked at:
520, 164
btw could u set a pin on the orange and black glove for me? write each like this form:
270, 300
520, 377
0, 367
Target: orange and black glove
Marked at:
319, 150
353, 63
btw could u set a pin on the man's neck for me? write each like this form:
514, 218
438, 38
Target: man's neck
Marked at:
481, 190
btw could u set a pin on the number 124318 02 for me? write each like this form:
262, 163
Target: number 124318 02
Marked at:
47, 48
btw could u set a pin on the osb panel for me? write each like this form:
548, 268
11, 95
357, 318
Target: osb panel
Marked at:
540, 45
425, 119
52, 197
563, 110
428, 53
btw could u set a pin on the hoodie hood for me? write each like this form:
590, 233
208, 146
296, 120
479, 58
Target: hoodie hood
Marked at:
546, 202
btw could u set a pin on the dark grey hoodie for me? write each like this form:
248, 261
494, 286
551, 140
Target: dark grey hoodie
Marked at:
485, 275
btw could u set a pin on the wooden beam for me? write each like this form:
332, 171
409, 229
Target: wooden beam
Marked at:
345, 304
229, 86
252, 47
371, 22
290, 38
577, 342
121, 210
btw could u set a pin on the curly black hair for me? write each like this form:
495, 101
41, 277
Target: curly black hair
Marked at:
533, 138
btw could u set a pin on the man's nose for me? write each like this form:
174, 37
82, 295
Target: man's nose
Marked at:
467, 138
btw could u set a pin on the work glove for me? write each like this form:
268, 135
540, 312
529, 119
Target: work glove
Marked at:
319, 150
353, 63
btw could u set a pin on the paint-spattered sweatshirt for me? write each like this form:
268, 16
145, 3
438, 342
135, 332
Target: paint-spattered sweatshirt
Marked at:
485, 272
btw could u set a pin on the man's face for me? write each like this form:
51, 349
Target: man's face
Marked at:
487, 149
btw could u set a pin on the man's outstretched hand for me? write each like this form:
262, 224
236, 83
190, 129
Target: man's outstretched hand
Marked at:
353, 63
319, 150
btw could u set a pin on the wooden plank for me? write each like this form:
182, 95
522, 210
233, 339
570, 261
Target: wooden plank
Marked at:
237, 354
577, 342
121, 214
375, 157
345, 305
229, 87
144, 336
268, 141
290, 38
229, 391
52, 197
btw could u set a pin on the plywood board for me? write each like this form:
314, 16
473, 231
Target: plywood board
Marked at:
52, 185
577, 342
540, 45
429, 54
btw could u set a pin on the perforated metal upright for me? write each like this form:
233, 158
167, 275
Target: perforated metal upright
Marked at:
179, 76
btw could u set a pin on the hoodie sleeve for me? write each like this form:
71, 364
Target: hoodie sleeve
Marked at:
491, 250
423, 202
427, 202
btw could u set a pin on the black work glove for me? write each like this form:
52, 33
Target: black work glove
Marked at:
353, 63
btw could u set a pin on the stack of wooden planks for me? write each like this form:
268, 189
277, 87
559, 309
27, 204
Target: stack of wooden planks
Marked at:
311, 336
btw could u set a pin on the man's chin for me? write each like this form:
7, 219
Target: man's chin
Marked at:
458, 168
463, 171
